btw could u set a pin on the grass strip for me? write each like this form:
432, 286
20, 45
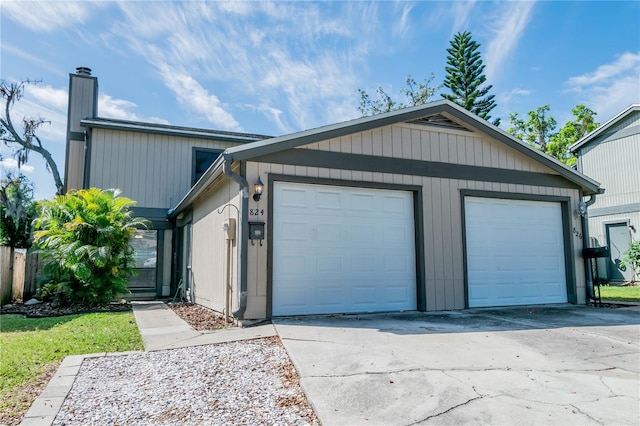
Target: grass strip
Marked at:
621, 293
30, 346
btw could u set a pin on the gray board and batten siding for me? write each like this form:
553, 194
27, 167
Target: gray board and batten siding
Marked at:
435, 159
611, 155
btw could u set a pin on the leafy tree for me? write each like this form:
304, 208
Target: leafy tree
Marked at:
574, 130
632, 258
24, 139
17, 211
84, 237
465, 76
414, 92
538, 131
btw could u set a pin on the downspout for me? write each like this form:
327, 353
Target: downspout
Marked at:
585, 235
242, 231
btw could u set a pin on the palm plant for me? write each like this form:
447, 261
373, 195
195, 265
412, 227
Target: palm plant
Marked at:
84, 237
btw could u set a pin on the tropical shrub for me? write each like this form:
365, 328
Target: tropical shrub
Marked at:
84, 238
632, 258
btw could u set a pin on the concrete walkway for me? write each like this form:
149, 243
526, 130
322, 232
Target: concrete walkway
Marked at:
160, 328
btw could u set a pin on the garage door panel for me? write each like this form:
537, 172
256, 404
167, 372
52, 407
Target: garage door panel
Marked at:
515, 252
359, 257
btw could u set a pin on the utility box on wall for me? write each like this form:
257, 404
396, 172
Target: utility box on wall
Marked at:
230, 228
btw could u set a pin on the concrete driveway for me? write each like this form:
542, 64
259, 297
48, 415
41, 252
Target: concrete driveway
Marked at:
556, 365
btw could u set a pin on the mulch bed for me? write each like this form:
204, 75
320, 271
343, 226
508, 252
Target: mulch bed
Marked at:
42, 310
199, 317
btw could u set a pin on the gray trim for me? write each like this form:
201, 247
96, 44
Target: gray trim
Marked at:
160, 263
270, 146
167, 130
157, 216
606, 225
370, 163
622, 209
243, 263
75, 136
86, 177
194, 152
565, 207
600, 130
418, 227
186, 218
212, 173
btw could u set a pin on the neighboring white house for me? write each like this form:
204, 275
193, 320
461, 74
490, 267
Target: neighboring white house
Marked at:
611, 155
426, 208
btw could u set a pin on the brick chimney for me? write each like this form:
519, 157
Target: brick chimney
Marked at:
83, 103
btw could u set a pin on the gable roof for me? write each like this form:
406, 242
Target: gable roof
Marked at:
463, 119
602, 129
165, 129
448, 108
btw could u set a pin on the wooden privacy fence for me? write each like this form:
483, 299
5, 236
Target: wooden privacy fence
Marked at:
18, 274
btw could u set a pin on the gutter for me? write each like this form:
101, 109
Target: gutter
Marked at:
585, 237
242, 232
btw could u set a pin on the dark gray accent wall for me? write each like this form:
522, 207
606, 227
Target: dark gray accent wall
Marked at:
565, 207
418, 227
157, 217
370, 163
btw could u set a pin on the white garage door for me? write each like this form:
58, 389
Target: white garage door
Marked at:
515, 252
342, 250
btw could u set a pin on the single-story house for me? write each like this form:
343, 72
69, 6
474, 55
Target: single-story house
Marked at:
611, 155
425, 208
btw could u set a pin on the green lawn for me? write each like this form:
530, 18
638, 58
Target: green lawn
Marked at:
626, 293
31, 346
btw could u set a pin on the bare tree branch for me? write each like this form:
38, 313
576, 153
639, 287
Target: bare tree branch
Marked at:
27, 139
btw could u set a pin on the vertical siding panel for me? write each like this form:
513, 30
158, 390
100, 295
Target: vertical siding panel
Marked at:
300, 170
443, 144
289, 170
438, 263
416, 151
461, 143
346, 175
334, 145
377, 142
367, 149
261, 258
313, 171
477, 154
324, 173
277, 169
345, 144
395, 134
434, 146
452, 141
407, 143
425, 145
447, 244
429, 243
407, 180
334, 174
387, 141
398, 179
356, 143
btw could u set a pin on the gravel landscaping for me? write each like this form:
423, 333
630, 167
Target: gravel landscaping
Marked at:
250, 382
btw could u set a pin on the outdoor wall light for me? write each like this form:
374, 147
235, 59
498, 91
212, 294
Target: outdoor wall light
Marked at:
258, 187
582, 208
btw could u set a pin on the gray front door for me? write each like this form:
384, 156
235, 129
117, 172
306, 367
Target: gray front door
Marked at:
618, 240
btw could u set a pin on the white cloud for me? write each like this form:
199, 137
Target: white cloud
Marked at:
611, 87
196, 98
508, 28
461, 10
506, 98
48, 16
403, 24
260, 51
120, 109
12, 164
604, 73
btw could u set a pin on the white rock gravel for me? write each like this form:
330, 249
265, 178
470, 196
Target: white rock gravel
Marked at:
239, 383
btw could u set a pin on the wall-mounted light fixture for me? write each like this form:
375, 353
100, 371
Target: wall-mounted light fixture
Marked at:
582, 208
258, 187
632, 228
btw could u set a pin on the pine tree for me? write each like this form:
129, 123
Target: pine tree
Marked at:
465, 76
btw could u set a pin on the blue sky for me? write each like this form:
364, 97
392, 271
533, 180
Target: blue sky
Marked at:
279, 67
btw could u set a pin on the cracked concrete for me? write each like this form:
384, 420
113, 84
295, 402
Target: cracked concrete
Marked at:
530, 365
